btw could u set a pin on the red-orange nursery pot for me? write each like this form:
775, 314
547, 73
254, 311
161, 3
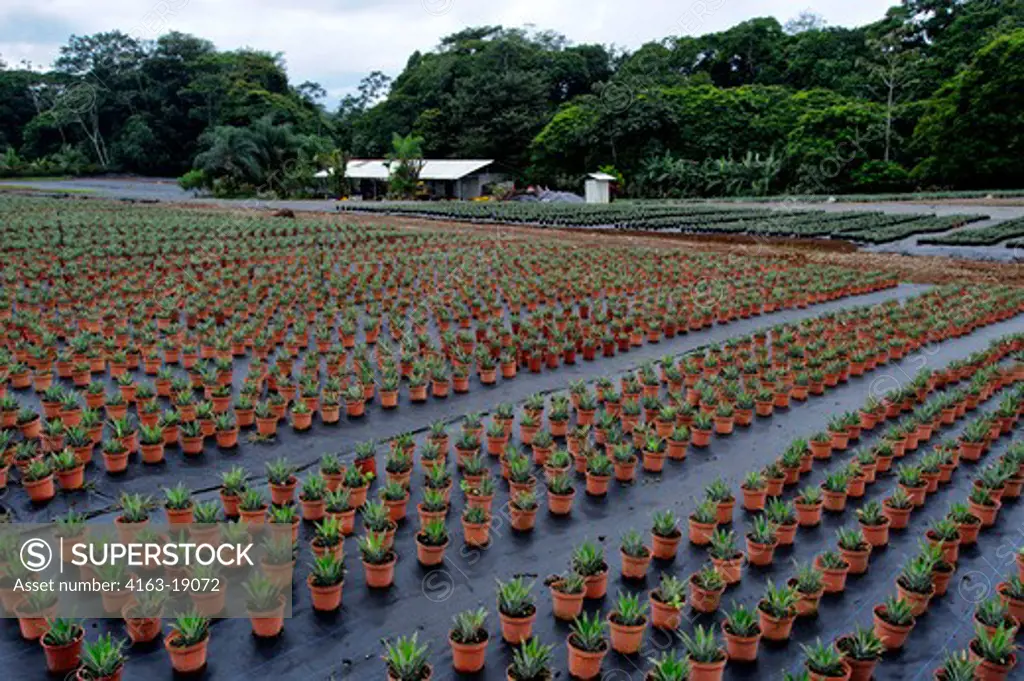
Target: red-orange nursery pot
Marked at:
834, 578
664, 615
468, 658
664, 548
740, 648
515, 630
807, 603
186, 659
64, 658
704, 600
754, 498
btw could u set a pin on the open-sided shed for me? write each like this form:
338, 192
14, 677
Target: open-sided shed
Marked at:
444, 178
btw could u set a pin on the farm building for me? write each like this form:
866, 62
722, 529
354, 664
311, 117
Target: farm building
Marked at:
442, 178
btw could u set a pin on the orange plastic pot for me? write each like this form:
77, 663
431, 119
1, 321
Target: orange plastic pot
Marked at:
597, 485
190, 445
990, 671
918, 602
786, 534
515, 630
40, 491
845, 676
705, 671
987, 514
584, 664
476, 534
268, 624
634, 567
187, 659
806, 603
281, 495
626, 639
700, 533
808, 515
116, 676
596, 586
754, 499
917, 494
72, 479
152, 454
820, 450
663, 615
140, 629
740, 648
653, 462
860, 670
704, 600
468, 658
857, 560
834, 501
560, 504
898, 517
63, 659
430, 556
566, 607
724, 510
324, 598
380, 576
876, 535
664, 548
522, 520
731, 570
760, 555
834, 578
1015, 606
775, 628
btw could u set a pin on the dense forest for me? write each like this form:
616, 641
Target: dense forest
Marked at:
930, 96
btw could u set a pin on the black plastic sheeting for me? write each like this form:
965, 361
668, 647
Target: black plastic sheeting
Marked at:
347, 644
303, 449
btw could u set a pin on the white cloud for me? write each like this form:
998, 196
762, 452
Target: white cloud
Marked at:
330, 40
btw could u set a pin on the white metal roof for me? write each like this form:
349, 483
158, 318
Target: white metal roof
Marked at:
601, 176
433, 169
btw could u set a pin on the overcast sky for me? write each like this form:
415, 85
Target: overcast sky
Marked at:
337, 42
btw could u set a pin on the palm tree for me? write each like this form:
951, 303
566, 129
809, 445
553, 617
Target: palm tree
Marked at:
406, 158
231, 157
276, 147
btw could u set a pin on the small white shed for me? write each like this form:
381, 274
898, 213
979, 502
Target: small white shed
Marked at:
597, 187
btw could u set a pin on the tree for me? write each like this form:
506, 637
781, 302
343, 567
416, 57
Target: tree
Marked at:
311, 92
752, 52
828, 146
406, 163
973, 133
895, 67
138, 146
828, 58
230, 162
805, 21
17, 105
485, 92
695, 122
